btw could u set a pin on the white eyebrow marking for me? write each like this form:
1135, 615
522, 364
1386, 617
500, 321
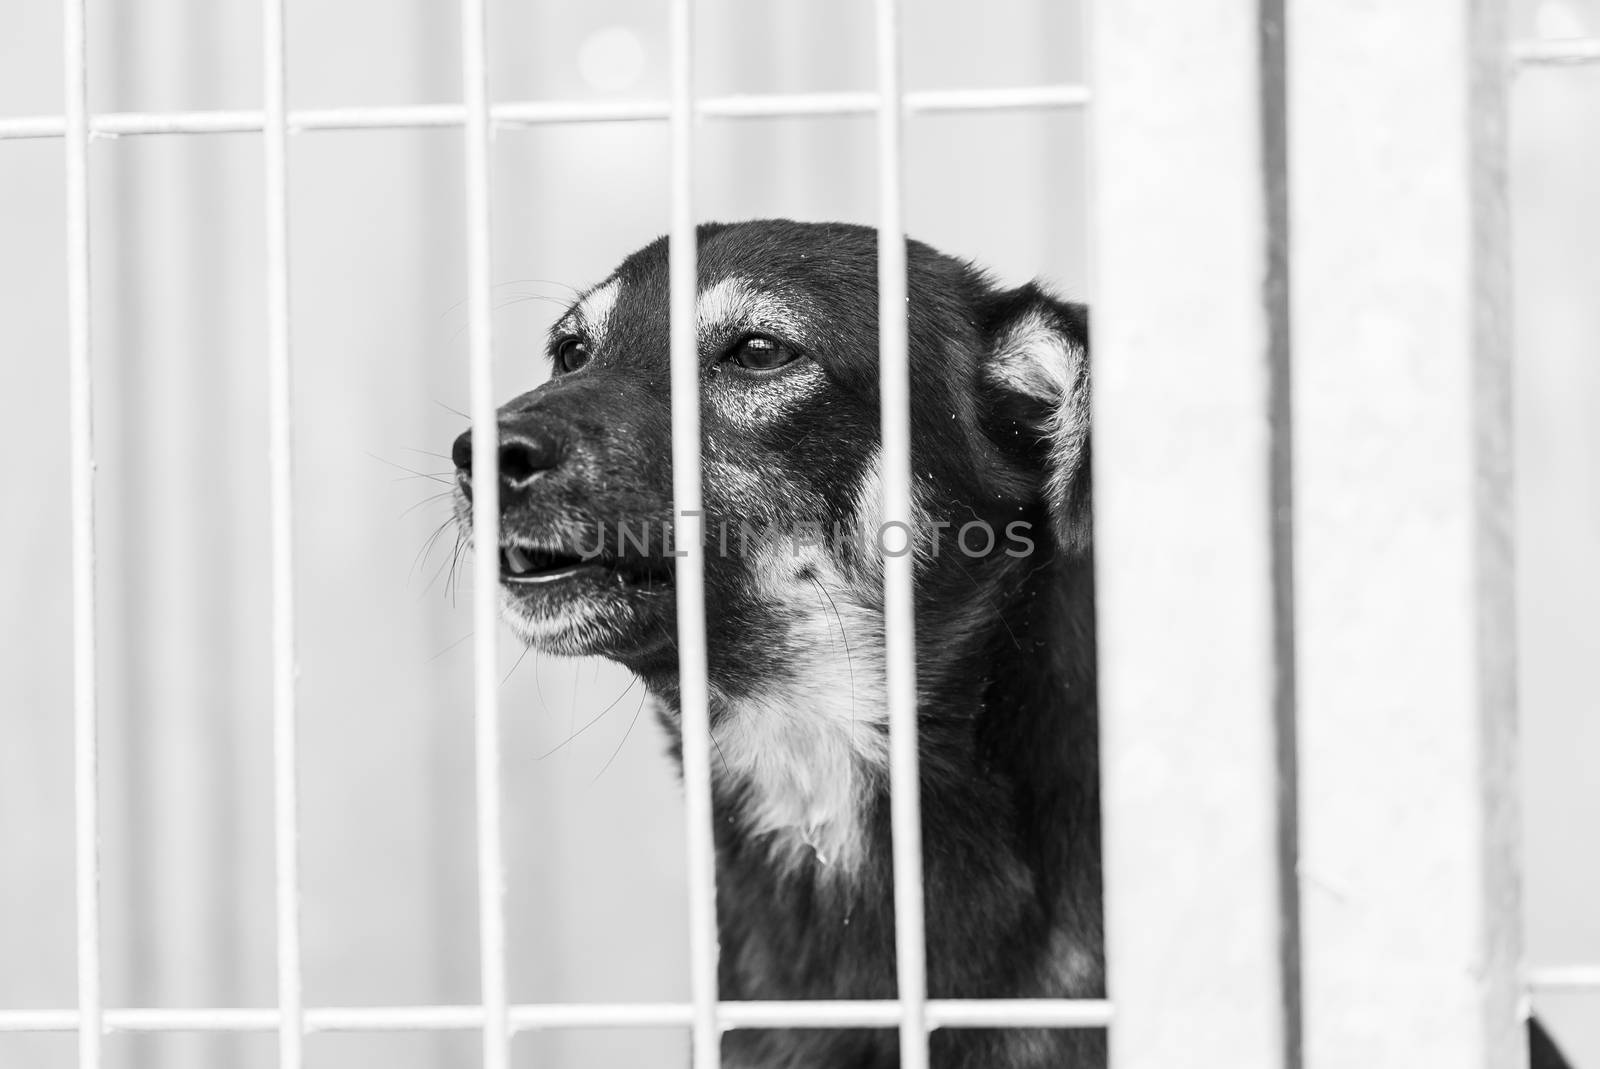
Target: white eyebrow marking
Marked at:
738, 301
594, 311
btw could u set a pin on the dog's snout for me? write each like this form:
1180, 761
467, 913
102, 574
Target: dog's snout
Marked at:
525, 453
461, 453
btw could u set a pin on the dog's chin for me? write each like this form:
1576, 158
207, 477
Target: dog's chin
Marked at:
591, 613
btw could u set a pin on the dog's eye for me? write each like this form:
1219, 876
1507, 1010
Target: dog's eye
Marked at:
572, 353
761, 353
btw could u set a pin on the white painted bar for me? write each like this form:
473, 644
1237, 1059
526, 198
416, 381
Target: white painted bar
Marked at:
693, 687
485, 539
1565, 978
1182, 380
1411, 912
894, 413
80, 384
869, 103
1572, 52
541, 112
815, 1013
280, 456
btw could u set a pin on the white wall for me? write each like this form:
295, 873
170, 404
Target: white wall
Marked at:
1556, 173
597, 905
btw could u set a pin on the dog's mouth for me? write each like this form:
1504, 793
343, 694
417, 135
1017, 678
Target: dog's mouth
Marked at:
578, 603
534, 567
526, 567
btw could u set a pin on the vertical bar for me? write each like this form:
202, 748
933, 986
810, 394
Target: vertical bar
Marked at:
85, 698
1408, 727
899, 637
1274, 104
1187, 340
693, 693
485, 541
286, 824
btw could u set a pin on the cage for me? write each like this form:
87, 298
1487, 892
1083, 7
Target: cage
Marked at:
270, 795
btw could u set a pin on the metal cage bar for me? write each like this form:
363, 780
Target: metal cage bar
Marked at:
496, 1025
1572, 52
694, 698
817, 1013
1408, 802
894, 416
1168, 54
1565, 978
85, 697
1184, 277
280, 454
479, 117
539, 112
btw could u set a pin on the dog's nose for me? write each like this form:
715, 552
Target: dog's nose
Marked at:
524, 453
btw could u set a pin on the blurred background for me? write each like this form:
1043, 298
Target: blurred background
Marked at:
596, 906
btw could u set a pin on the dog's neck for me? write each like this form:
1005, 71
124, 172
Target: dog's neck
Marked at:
800, 744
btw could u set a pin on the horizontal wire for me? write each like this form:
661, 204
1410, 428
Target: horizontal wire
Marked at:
940, 1013
1564, 977
1571, 51
817, 1013
1568, 52
536, 113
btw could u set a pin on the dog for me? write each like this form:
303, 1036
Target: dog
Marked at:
787, 330
787, 325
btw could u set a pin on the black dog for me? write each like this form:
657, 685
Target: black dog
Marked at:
1005, 641
788, 329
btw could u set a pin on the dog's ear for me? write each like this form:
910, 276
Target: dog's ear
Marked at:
1036, 377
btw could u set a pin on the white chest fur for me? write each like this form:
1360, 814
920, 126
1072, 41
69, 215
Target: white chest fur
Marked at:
810, 751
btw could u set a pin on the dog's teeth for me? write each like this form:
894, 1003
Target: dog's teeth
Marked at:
518, 559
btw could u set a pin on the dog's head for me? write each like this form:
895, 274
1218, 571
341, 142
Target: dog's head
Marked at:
788, 340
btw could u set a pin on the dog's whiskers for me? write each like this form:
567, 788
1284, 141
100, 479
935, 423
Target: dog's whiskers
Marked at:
427, 546
450, 647
642, 698
593, 720
522, 298
720, 755
413, 473
667, 635
452, 584
518, 664
849, 661
425, 501
516, 282
538, 683
437, 572
428, 453
989, 597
